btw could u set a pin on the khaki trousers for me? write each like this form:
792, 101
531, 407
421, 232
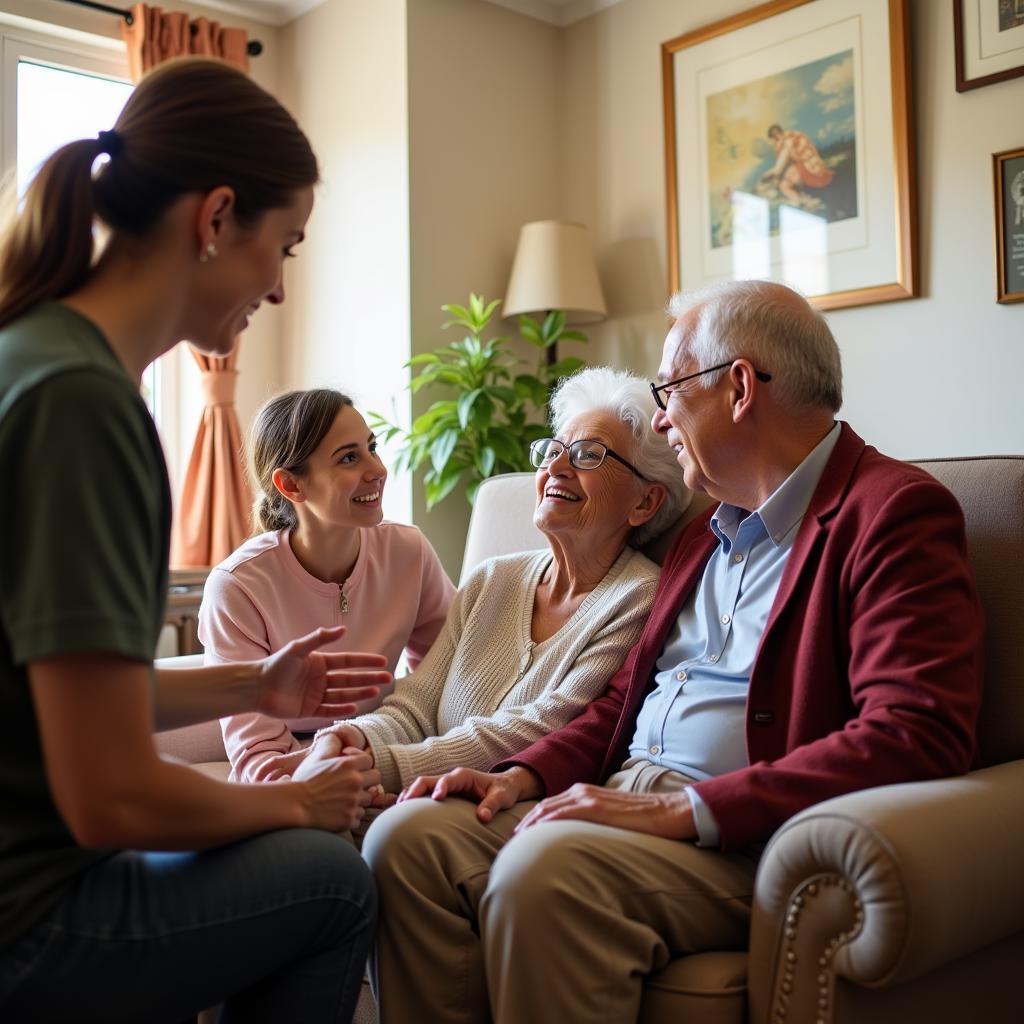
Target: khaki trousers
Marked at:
560, 924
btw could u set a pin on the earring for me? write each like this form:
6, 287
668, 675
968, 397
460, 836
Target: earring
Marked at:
208, 254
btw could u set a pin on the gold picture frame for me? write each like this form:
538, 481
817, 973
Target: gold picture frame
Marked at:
1008, 178
789, 151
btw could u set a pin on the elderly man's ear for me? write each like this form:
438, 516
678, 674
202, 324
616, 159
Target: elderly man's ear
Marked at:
654, 495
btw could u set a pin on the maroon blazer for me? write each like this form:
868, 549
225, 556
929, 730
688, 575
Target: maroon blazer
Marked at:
869, 670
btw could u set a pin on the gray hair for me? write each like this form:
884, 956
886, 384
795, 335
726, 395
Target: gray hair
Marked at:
772, 326
629, 398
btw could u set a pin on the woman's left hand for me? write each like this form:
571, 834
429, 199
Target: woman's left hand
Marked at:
301, 681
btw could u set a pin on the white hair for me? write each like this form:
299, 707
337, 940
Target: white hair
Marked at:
629, 398
759, 321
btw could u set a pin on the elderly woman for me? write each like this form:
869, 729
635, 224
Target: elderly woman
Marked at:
532, 638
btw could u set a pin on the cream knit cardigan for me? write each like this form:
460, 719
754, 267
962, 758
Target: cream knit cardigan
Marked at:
486, 690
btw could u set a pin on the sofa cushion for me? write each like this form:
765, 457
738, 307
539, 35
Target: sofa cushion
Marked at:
706, 987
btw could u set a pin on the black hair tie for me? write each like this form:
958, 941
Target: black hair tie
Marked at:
110, 142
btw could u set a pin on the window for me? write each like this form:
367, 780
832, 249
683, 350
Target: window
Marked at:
55, 90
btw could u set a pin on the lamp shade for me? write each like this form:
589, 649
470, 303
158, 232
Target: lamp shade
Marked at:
554, 268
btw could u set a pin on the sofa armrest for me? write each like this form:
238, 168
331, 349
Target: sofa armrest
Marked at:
882, 886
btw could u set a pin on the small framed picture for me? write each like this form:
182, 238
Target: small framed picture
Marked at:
1008, 174
989, 40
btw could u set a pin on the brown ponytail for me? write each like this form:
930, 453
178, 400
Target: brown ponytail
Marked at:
48, 249
190, 125
284, 434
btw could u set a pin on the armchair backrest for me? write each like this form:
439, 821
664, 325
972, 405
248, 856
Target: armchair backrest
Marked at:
990, 491
502, 522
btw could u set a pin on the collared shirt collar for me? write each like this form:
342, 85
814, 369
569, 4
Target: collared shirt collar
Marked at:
783, 509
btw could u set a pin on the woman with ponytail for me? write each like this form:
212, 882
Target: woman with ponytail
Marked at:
321, 556
135, 888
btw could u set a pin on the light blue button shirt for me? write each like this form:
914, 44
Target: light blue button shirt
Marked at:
694, 720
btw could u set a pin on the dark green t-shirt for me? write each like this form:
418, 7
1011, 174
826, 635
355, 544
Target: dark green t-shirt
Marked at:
83, 565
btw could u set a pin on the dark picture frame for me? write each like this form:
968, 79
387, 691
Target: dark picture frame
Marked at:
761, 181
1008, 179
974, 22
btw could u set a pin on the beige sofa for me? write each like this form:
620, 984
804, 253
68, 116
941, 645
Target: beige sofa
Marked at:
898, 904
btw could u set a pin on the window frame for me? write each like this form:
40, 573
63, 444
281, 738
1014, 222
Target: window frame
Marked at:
70, 50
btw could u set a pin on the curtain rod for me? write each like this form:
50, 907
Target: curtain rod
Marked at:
254, 47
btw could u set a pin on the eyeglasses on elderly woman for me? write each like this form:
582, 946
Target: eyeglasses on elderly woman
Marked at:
583, 454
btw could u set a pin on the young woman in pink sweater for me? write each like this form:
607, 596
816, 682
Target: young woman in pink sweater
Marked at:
324, 557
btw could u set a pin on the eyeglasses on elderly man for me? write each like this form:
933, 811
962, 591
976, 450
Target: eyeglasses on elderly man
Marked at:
658, 390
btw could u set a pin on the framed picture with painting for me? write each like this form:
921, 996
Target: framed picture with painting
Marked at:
789, 153
1008, 175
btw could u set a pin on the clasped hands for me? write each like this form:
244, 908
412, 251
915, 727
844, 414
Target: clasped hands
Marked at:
668, 815
342, 740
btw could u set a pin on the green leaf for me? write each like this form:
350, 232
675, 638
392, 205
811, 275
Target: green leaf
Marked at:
376, 420
530, 331
457, 311
551, 329
484, 461
507, 445
483, 412
442, 448
573, 336
466, 406
387, 435
418, 382
438, 411
437, 490
529, 387
566, 367
491, 307
471, 489
531, 431
424, 357
504, 395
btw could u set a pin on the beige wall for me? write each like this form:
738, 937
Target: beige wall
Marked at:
346, 320
937, 375
436, 126
483, 159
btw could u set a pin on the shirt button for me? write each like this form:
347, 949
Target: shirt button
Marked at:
726, 619
681, 676
737, 557
655, 750
712, 657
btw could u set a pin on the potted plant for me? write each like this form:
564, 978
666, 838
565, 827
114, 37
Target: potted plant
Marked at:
491, 411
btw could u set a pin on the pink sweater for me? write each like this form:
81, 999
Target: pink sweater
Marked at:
260, 598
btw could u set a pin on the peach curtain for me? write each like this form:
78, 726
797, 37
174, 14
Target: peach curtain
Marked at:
153, 37
213, 514
213, 509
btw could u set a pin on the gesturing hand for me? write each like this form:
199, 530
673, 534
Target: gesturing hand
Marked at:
494, 791
300, 681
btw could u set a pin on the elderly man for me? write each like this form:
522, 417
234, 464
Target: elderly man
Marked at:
815, 633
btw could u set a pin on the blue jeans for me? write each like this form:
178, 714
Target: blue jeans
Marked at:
278, 927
